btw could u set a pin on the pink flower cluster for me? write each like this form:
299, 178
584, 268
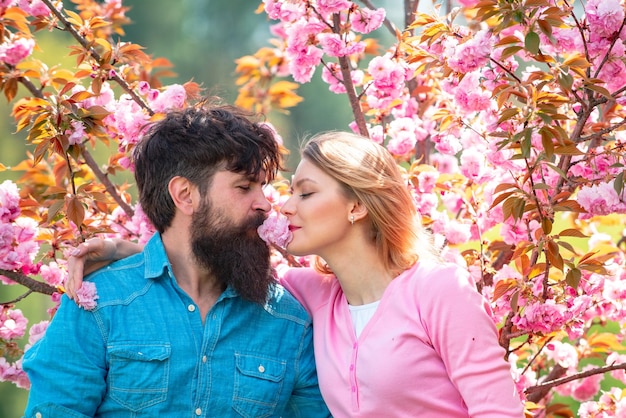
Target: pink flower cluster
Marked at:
37, 8
601, 199
127, 118
612, 403
305, 28
275, 230
13, 51
471, 55
87, 296
12, 324
18, 245
12, 372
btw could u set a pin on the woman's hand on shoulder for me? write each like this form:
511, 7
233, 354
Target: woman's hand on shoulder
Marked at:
87, 257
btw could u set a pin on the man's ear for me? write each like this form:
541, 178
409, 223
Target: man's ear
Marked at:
184, 194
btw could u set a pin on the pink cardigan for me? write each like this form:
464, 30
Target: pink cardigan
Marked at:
430, 350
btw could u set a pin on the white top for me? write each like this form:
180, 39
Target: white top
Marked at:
361, 315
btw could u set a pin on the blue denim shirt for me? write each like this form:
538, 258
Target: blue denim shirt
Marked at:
144, 352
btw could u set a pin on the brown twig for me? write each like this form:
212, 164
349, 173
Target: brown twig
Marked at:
85, 44
536, 393
104, 179
347, 82
552, 382
24, 280
17, 299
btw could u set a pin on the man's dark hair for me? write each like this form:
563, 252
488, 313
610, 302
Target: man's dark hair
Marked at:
195, 143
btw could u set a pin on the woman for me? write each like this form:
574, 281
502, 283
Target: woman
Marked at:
397, 332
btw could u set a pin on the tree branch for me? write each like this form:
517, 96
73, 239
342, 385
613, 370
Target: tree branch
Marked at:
536, 393
24, 280
552, 382
104, 179
347, 82
17, 299
85, 44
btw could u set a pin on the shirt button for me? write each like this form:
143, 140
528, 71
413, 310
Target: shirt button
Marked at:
261, 368
191, 308
38, 415
204, 359
352, 367
353, 388
198, 411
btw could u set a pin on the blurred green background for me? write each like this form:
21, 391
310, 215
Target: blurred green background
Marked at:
202, 38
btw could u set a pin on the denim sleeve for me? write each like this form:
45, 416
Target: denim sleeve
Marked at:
306, 400
67, 367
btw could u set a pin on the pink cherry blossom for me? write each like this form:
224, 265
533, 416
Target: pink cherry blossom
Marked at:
7, 3
12, 324
36, 8
604, 16
304, 55
275, 230
472, 163
601, 199
35, 332
284, 10
388, 76
14, 51
9, 201
328, 7
76, 134
582, 389
469, 55
87, 296
53, 274
173, 97
368, 20
469, 96
12, 372
563, 354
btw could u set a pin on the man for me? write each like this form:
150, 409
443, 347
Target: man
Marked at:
194, 325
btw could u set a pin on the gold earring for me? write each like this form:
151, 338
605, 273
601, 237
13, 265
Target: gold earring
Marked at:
352, 219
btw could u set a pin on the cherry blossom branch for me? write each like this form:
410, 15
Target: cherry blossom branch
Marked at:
32, 284
17, 299
89, 160
347, 82
532, 360
104, 179
552, 382
538, 392
85, 44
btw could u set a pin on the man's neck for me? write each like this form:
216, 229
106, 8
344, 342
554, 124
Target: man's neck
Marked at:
203, 288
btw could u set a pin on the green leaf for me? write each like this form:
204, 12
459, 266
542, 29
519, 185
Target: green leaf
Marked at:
531, 42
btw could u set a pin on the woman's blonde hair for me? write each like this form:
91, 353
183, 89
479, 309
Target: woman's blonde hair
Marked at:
369, 173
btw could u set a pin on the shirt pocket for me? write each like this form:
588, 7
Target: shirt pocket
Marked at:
258, 385
138, 374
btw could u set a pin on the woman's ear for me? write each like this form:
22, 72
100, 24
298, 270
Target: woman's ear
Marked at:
358, 211
184, 194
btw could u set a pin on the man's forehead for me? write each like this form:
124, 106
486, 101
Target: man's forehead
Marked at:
241, 175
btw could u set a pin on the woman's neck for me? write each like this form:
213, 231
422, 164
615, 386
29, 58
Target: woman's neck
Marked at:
362, 276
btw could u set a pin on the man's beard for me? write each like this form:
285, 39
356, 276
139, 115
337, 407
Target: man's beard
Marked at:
234, 254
